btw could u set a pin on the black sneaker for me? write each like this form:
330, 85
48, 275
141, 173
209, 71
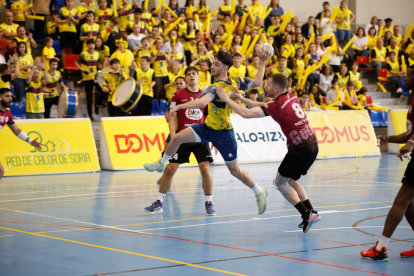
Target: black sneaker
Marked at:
318, 218
156, 207
209, 209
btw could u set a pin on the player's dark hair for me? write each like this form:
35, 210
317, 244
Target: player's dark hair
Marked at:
4, 90
279, 80
191, 68
224, 58
114, 61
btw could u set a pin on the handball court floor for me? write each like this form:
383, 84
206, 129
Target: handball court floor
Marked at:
94, 224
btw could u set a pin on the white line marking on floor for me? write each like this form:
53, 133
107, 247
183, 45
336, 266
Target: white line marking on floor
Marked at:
337, 228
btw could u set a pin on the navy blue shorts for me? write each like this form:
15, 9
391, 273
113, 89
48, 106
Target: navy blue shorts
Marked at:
224, 140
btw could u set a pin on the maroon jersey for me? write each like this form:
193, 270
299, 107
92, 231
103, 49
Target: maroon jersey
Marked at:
410, 120
5, 118
287, 111
187, 117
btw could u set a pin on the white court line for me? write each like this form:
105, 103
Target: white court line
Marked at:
184, 226
337, 228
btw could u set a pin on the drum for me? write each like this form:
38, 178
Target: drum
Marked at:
68, 104
101, 75
127, 95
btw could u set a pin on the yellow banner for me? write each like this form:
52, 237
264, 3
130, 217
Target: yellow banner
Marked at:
343, 133
397, 126
128, 143
69, 147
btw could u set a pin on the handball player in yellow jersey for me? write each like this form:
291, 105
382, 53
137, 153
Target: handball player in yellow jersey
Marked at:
217, 127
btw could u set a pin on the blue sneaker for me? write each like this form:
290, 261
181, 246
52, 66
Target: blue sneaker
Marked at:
318, 218
156, 207
308, 222
209, 209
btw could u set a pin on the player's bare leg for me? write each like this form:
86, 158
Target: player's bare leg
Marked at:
244, 176
207, 182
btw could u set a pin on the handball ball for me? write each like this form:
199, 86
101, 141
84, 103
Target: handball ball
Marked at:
266, 46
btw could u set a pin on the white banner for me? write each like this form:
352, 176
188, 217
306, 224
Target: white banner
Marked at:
258, 140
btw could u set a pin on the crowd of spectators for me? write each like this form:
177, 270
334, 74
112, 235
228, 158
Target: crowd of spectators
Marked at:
154, 46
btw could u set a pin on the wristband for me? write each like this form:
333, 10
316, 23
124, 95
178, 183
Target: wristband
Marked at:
23, 136
30, 141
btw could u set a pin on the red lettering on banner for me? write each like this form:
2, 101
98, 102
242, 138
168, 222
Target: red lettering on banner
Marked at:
331, 135
133, 143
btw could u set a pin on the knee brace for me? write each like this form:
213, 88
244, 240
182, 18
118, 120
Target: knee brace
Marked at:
282, 185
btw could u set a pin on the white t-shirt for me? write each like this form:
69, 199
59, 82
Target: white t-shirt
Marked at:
335, 60
325, 82
325, 27
134, 40
368, 26
361, 41
2, 59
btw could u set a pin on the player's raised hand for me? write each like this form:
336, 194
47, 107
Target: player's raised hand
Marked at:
265, 54
222, 95
37, 144
405, 150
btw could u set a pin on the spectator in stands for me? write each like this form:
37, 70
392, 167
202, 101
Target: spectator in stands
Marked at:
372, 33
253, 95
315, 98
325, 80
379, 24
19, 16
283, 70
67, 20
394, 74
276, 11
387, 39
355, 76
298, 65
351, 98
202, 54
89, 30
393, 48
237, 70
160, 62
125, 56
126, 14
373, 23
145, 76
361, 41
325, 7
396, 34
333, 95
174, 72
167, 45
112, 35
52, 29
223, 10
39, 8
103, 51
313, 59
9, 28
304, 101
325, 27
5, 75
388, 26
48, 52
410, 60
344, 19
378, 55
4, 45
25, 65
87, 64
320, 49
35, 106
342, 77
51, 96
2, 59
21, 36
204, 75
134, 39
306, 28
112, 80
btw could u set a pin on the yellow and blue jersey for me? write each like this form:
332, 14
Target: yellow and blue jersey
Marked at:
88, 63
34, 97
218, 111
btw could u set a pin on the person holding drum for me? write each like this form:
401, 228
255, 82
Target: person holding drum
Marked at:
35, 106
186, 118
112, 80
145, 76
87, 63
50, 86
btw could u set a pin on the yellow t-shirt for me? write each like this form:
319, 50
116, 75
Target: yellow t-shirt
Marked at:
25, 40
9, 28
238, 72
87, 29
286, 72
51, 86
113, 80
223, 9
348, 97
15, 7
291, 48
179, 56
390, 29
218, 111
68, 26
189, 40
105, 15
103, 54
51, 27
34, 98
50, 52
142, 53
27, 59
4, 84
88, 63
346, 24
171, 77
396, 50
395, 66
182, 28
399, 39
125, 58
342, 81
298, 70
147, 78
126, 17
203, 11
354, 77
204, 79
160, 65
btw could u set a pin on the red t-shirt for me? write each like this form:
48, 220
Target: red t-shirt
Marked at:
187, 117
288, 113
5, 118
5, 47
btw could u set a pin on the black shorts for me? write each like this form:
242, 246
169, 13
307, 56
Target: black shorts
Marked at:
68, 40
409, 173
201, 152
298, 161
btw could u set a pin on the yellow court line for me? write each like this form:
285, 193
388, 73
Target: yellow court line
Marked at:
230, 215
123, 251
6, 236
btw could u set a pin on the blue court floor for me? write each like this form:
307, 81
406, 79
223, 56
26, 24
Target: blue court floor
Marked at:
94, 224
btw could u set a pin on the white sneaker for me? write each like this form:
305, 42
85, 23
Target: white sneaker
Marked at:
261, 200
399, 90
156, 166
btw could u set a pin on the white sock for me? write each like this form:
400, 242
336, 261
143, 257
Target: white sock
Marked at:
209, 197
165, 158
383, 242
161, 197
256, 189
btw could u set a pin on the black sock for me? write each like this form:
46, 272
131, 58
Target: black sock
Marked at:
302, 209
307, 204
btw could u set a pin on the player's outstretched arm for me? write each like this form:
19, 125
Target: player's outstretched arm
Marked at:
263, 57
199, 103
256, 112
23, 136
